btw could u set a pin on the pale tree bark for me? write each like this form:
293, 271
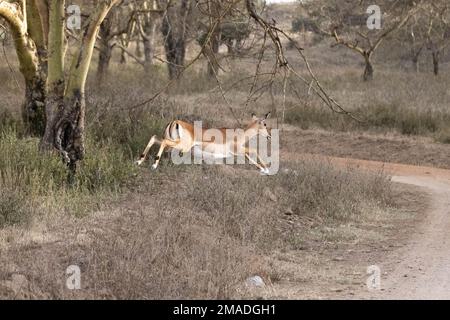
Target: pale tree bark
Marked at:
31, 56
38, 29
68, 123
56, 80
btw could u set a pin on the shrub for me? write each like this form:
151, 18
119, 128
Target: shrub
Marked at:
375, 116
14, 209
236, 205
317, 189
35, 176
8, 121
443, 135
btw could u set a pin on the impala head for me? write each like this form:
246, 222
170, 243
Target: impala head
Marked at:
260, 125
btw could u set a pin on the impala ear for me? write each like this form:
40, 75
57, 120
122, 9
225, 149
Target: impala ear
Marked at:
254, 118
267, 116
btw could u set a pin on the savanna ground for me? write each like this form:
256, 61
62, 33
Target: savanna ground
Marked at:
199, 231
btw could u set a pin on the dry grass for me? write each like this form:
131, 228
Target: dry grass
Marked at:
201, 242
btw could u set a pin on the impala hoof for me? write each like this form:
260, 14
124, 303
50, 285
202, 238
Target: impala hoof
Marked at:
264, 172
139, 162
154, 166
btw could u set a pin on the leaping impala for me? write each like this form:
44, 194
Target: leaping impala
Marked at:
183, 136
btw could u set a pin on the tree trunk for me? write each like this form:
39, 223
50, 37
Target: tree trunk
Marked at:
213, 64
415, 63
68, 129
173, 28
415, 55
105, 52
368, 69
148, 52
123, 57
175, 48
230, 47
32, 61
104, 58
435, 56
67, 125
54, 103
138, 50
123, 54
55, 80
148, 40
33, 110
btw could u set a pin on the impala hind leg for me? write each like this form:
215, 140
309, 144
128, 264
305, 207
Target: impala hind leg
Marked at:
164, 144
152, 141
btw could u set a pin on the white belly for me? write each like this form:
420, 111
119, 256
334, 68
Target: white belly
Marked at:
211, 153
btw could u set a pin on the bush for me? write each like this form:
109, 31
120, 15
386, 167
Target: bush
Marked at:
305, 24
375, 117
24, 167
14, 209
127, 131
236, 205
34, 176
443, 135
8, 121
329, 194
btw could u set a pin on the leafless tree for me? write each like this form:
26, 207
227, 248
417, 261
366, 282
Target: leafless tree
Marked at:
148, 19
346, 22
438, 30
175, 26
119, 22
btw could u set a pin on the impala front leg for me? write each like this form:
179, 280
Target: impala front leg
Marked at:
262, 166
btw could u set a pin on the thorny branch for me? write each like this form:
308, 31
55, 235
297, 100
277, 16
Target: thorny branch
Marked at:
272, 32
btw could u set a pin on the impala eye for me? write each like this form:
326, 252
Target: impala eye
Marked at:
265, 125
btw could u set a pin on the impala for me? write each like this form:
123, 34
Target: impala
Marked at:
184, 137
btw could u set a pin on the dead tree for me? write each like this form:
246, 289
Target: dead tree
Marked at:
438, 33
416, 46
119, 22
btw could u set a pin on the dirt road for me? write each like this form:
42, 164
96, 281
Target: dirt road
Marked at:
421, 270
